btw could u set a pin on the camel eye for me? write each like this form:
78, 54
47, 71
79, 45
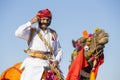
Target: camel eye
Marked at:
86, 47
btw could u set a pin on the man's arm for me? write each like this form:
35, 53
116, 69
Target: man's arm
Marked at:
23, 31
58, 52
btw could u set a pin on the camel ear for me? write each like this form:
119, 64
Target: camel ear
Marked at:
73, 43
85, 34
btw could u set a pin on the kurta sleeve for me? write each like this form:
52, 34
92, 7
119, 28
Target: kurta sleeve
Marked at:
23, 31
58, 51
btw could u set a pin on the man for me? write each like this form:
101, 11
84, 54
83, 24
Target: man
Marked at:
43, 43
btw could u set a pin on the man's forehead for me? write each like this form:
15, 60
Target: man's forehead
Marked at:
44, 18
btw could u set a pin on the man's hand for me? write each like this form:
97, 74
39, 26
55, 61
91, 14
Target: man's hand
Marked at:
34, 19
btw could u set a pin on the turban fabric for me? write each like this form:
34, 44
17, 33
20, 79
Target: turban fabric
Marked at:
44, 13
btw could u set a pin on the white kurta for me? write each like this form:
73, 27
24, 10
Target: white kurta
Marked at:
34, 67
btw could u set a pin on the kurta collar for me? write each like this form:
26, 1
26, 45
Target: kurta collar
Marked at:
41, 31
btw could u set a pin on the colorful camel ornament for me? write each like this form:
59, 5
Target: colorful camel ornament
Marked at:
87, 55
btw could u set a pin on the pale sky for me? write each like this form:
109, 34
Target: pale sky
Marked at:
70, 18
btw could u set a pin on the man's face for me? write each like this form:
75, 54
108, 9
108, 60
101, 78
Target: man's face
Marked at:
43, 22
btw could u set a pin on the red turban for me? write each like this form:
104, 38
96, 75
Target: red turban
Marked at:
44, 13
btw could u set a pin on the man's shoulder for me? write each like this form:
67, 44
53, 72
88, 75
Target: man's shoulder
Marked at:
52, 30
33, 28
54, 33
